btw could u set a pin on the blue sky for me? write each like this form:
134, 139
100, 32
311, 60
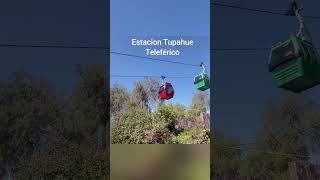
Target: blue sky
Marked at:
58, 23
153, 18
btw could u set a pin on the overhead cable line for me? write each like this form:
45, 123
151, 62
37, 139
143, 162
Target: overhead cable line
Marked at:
243, 49
258, 10
53, 46
140, 76
248, 9
93, 47
243, 147
160, 60
240, 49
126, 54
270, 152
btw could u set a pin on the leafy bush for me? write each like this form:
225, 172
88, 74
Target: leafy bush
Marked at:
163, 126
129, 126
166, 115
65, 161
159, 134
205, 136
139, 121
185, 137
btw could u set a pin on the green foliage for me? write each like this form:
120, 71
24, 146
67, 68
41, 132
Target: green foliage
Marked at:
136, 125
89, 100
205, 136
45, 138
139, 120
159, 134
27, 108
185, 137
289, 127
139, 95
202, 99
65, 161
180, 110
195, 112
129, 126
224, 159
200, 103
151, 87
282, 133
166, 114
265, 165
119, 96
192, 136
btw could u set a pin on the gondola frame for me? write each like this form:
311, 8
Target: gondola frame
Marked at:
167, 92
299, 73
202, 84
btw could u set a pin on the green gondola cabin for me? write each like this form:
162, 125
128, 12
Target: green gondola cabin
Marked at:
295, 65
202, 82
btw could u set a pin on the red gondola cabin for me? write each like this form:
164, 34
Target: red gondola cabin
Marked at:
166, 91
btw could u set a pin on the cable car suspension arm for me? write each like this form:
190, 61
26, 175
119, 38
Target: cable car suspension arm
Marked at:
162, 79
303, 32
203, 68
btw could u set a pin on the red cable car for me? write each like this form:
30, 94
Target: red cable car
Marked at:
166, 90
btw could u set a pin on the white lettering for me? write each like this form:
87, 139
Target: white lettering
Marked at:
133, 42
162, 52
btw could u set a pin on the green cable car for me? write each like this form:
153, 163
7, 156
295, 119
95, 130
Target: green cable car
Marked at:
202, 81
295, 64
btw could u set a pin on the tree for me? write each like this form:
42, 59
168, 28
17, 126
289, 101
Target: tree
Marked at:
139, 95
72, 148
119, 96
89, 104
28, 108
179, 109
65, 160
163, 125
200, 104
167, 115
151, 87
285, 134
89, 117
185, 137
225, 157
129, 126
42, 138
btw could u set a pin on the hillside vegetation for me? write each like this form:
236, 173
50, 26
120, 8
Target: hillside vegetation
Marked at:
139, 117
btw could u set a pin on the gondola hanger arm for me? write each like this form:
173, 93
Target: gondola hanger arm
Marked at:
162, 79
303, 32
203, 68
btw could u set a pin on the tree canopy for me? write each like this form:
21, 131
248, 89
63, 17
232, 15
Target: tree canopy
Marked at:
289, 132
46, 137
140, 117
